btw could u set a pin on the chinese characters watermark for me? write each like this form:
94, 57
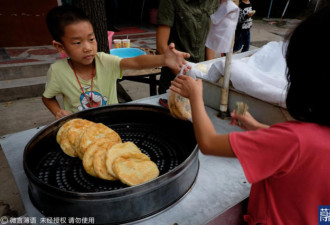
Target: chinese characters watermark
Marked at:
324, 215
47, 220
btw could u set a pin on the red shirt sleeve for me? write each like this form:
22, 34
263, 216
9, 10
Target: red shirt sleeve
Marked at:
266, 152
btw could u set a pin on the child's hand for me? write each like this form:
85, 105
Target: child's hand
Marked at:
61, 113
175, 59
187, 86
247, 122
185, 70
251, 13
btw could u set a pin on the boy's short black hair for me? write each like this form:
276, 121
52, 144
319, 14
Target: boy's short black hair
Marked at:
61, 16
308, 69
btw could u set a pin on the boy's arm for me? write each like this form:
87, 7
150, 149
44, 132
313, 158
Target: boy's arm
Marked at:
172, 58
142, 62
54, 107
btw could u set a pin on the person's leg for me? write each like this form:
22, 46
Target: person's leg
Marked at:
246, 40
165, 80
238, 40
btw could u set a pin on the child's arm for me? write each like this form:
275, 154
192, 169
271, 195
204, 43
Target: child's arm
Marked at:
247, 121
208, 140
172, 58
54, 107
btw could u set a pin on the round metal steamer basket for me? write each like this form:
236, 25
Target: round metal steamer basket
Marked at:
60, 187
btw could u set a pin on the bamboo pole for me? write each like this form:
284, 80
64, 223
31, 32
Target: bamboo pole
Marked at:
225, 88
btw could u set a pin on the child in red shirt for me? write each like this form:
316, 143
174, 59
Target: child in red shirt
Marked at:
286, 163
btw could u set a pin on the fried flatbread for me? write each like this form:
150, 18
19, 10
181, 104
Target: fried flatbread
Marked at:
171, 106
201, 67
68, 133
92, 135
99, 165
179, 106
133, 171
127, 149
62, 130
89, 154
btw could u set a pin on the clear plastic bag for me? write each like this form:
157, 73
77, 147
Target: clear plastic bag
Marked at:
180, 106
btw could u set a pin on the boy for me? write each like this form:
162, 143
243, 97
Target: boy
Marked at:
87, 78
242, 34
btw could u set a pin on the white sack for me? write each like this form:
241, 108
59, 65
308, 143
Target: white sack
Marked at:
262, 75
223, 26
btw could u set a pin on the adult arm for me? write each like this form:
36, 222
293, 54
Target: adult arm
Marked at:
209, 53
162, 37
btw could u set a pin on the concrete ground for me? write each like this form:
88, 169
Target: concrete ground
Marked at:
27, 113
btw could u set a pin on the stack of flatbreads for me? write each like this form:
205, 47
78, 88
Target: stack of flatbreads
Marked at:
103, 154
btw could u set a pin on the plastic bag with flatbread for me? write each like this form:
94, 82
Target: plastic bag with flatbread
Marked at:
180, 106
203, 70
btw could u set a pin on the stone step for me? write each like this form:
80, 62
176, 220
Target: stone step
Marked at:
23, 70
11, 90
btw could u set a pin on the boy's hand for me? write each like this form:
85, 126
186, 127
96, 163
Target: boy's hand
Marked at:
175, 59
61, 113
251, 13
187, 86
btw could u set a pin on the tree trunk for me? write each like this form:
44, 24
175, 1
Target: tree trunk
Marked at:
95, 10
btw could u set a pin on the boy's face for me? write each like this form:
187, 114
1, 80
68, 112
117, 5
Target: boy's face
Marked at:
79, 42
